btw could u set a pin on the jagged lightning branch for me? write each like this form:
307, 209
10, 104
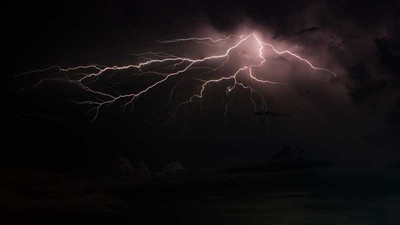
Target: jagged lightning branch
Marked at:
157, 58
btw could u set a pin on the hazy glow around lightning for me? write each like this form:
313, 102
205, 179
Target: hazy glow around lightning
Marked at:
180, 66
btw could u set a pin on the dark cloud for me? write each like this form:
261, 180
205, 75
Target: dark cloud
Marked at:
393, 118
308, 30
364, 87
388, 53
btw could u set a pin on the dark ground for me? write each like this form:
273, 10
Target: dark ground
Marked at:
352, 193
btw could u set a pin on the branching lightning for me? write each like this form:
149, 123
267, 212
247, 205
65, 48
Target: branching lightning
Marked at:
176, 66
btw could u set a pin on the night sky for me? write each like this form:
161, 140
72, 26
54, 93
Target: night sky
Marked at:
354, 116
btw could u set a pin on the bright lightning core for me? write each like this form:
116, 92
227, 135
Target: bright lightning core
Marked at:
237, 62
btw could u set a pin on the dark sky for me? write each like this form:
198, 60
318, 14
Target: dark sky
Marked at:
353, 116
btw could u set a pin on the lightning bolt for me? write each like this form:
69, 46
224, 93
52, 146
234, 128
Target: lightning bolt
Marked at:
175, 66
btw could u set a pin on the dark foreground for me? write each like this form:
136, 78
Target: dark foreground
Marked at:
325, 195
